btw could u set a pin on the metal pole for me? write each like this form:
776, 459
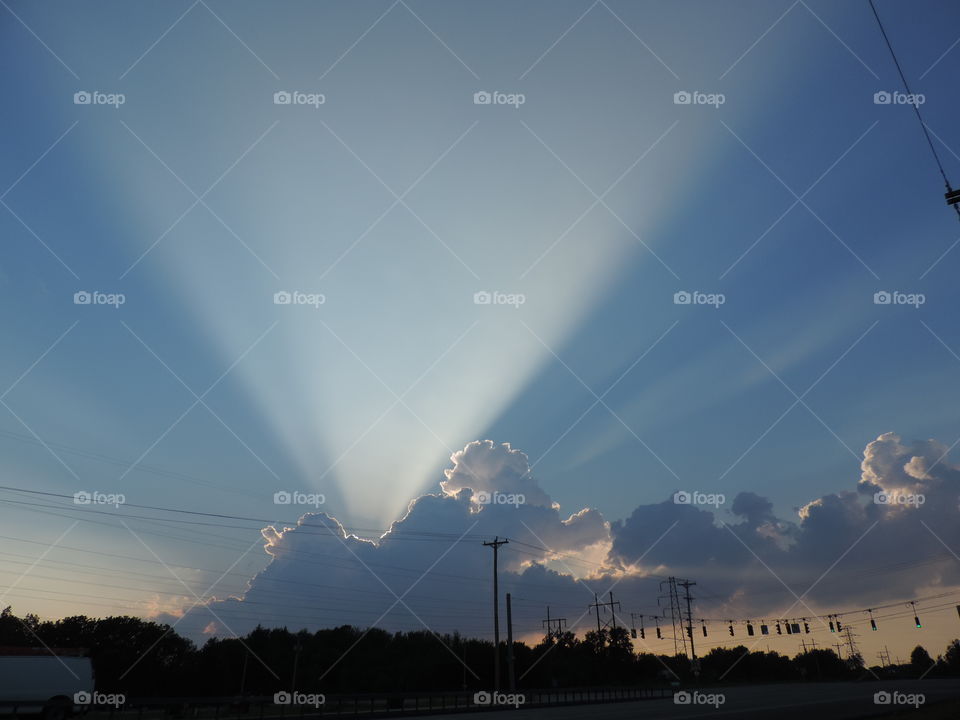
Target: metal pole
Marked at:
511, 682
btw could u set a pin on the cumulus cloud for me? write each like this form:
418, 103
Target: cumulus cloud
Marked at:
742, 554
322, 575
885, 536
483, 466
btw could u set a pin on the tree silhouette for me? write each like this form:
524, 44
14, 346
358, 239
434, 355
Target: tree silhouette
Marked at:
141, 658
920, 659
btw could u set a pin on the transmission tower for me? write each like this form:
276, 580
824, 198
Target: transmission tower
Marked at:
853, 653
614, 606
676, 614
686, 585
550, 622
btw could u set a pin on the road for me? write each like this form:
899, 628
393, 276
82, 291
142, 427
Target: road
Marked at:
825, 701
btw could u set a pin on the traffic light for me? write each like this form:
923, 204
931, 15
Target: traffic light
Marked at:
643, 635
633, 633
749, 629
839, 627
789, 629
764, 630
916, 618
873, 624
704, 626
779, 631
731, 624
659, 636
831, 626
806, 627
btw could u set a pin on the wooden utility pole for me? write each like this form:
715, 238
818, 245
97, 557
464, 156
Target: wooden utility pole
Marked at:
497, 542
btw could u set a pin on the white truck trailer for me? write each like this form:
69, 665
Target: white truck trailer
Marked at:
36, 682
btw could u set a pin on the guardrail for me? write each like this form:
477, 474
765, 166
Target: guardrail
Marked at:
370, 705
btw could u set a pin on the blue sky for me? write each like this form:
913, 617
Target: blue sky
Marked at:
365, 397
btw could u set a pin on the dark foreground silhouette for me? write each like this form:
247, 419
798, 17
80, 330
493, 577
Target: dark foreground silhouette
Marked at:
142, 658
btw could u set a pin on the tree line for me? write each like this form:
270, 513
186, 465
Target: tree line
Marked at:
141, 658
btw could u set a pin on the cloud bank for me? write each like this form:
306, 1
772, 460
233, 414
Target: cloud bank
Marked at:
883, 538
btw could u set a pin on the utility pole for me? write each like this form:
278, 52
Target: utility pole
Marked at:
613, 610
497, 542
297, 648
243, 675
596, 606
686, 585
549, 622
614, 606
511, 682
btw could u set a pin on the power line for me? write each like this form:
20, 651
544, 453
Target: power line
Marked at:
345, 563
393, 534
916, 108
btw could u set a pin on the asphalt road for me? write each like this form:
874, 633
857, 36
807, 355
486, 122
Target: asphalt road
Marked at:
824, 701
